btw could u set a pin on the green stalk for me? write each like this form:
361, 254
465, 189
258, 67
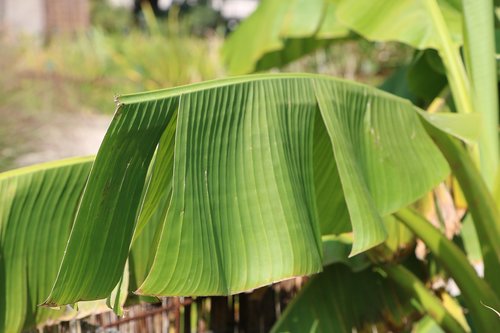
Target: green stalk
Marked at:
474, 290
479, 51
431, 303
482, 205
449, 52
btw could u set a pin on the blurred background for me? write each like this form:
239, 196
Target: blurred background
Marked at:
63, 61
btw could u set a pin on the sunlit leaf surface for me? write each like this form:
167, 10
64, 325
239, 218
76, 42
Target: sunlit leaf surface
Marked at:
37, 208
237, 156
280, 31
406, 21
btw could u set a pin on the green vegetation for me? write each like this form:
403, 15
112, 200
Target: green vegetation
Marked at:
224, 186
84, 70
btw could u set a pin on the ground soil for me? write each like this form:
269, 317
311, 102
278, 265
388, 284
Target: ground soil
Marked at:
27, 139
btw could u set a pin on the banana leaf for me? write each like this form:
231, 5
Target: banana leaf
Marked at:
37, 207
237, 186
339, 300
280, 31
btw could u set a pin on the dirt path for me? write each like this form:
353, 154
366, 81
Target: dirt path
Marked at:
29, 139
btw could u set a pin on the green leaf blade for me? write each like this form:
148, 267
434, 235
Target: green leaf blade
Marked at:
248, 176
406, 21
365, 131
237, 156
37, 206
349, 301
110, 202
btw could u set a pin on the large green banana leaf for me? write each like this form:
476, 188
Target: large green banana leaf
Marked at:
339, 300
37, 210
407, 21
280, 31
349, 296
37, 207
238, 188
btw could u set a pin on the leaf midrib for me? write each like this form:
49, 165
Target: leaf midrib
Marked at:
195, 87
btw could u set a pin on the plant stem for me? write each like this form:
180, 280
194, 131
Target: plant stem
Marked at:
457, 77
473, 288
479, 51
481, 203
431, 303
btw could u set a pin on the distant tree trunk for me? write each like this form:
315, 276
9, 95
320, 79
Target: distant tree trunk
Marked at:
153, 3
220, 315
187, 318
257, 310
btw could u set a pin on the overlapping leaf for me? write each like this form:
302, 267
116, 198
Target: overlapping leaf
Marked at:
234, 182
339, 300
407, 21
37, 207
295, 28
281, 31
37, 210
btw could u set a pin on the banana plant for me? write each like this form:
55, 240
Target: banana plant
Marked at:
225, 186
230, 184
449, 27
